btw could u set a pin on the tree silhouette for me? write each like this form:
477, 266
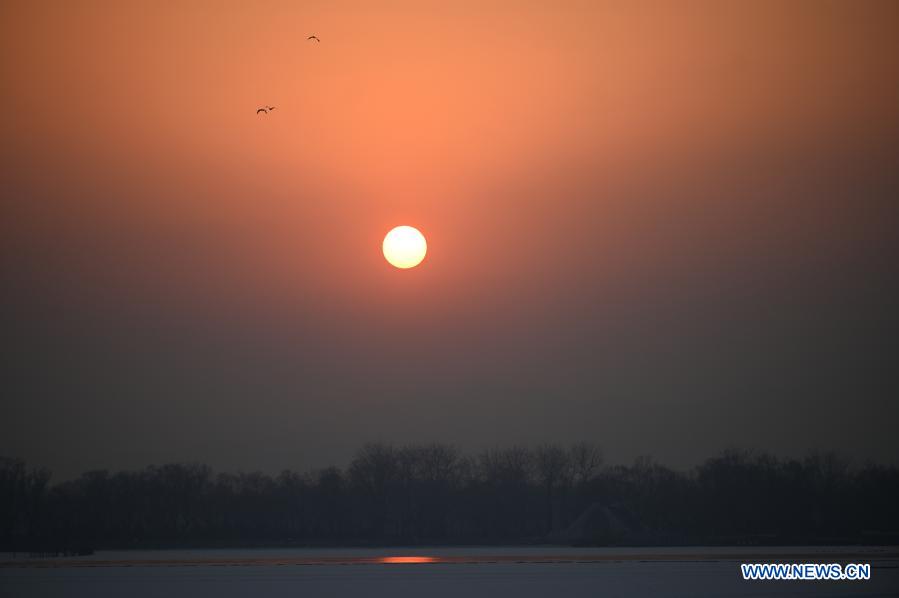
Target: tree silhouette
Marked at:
426, 493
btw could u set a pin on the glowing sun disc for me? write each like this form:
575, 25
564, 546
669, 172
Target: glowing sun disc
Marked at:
405, 247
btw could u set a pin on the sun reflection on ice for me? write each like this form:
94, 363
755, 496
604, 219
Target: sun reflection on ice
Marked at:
396, 560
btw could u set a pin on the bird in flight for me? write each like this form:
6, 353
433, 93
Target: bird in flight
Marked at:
313, 37
265, 110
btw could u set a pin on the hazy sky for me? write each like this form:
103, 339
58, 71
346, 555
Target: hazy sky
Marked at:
667, 227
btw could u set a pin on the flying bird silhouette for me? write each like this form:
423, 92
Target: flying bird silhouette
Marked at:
263, 110
313, 37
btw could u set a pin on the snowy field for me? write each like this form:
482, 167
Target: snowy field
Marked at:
467, 572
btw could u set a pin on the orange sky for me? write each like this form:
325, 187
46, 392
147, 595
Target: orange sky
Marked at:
557, 155
411, 112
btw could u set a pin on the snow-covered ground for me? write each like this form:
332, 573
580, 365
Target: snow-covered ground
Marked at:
472, 572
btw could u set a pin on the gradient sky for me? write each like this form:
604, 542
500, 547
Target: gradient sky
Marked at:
667, 227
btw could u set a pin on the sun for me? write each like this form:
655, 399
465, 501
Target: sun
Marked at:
405, 247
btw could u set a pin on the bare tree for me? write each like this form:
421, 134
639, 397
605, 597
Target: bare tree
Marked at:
373, 467
585, 459
552, 465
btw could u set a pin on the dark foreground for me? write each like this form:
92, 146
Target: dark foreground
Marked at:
469, 572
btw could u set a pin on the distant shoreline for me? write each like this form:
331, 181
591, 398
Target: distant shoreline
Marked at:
426, 557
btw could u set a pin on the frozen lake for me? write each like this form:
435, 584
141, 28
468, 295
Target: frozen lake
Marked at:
459, 571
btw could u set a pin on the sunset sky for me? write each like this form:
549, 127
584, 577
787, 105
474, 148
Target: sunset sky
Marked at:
666, 227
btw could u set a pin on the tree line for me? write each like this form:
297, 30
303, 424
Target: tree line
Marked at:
433, 493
